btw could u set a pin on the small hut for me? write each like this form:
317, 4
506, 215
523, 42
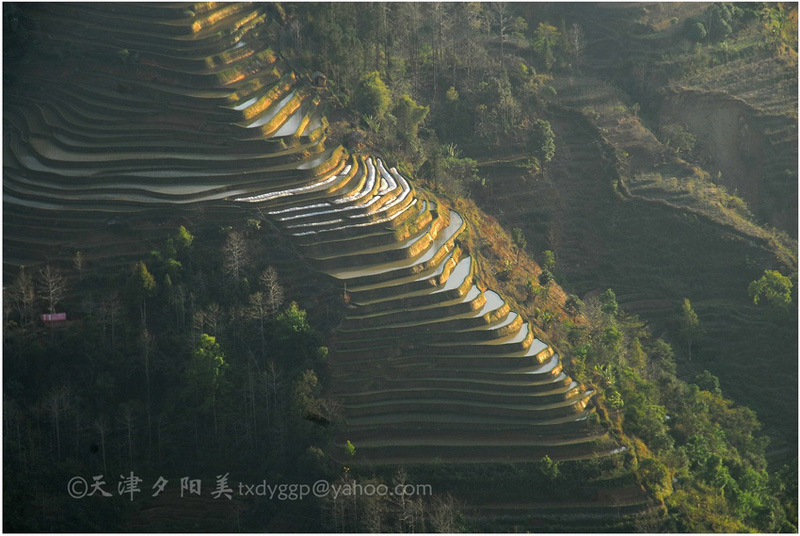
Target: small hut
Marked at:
319, 80
54, 318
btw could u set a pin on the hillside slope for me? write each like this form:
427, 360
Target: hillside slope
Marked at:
622, 209
170, 107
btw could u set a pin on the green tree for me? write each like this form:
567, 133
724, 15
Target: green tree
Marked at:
372, 97
662, 356
184, 238
532, 289
409, 116
545, 40
573, 304
549, 260
694, 29
293, 319
308, 404
654, 475
143, 285
542, 141
294, 332
773, 287
518, 237
636, 355
452, 172
545, 277
305, 391
720, 18
549, 469
204, 374
608, 302
708, 382
780, 24
688, 324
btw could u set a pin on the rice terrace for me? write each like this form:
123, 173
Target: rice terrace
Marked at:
400, 267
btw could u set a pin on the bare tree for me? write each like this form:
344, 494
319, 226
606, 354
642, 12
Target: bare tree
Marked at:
199, 322
416, 515
411, 19
443, 514
502, 17
273, 289
12, 417
52, 286
213, 316
110, 307
335, 506
236, 254
297, 38
437, 11
576, 43
127, 418
409, 511
76, 407
101, 425
146, 343
178, 299
21, 292
57, 402
77, 262
272, 381
372, 511
258, 310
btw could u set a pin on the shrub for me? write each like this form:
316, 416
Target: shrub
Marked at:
773, 286
545, 277
720, 17
372, 97
655, 476
409, 116
678, 137
542, 140
695, 30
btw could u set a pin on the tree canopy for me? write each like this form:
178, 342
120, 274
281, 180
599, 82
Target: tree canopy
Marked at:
689, 324
774, 287
409, 116
372, 97
542, 140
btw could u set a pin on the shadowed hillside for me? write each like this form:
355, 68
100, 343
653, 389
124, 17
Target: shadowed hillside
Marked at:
451, 358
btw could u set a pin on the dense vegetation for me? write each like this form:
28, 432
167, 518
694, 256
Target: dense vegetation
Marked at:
188, 363
700, 453
193, 361
444, 57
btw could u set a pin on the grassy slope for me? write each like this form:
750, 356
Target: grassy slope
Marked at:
658, 243
653, 256
737, 97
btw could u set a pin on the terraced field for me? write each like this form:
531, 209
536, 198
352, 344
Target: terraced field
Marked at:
171, 107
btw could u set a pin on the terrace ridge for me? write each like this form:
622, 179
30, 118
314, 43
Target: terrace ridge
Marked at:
201, 112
